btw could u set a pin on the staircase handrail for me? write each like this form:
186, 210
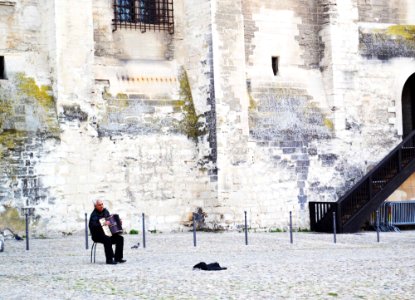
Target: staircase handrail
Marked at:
376, 168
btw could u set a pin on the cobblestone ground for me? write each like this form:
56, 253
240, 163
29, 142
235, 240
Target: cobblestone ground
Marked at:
313, 267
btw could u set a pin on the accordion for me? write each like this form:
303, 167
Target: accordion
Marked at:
114, 227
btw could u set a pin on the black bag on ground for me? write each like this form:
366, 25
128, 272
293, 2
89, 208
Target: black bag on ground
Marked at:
208, 267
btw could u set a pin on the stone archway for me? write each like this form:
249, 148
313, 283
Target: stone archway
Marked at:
408, 106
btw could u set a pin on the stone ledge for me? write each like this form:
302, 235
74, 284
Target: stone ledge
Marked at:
8, 2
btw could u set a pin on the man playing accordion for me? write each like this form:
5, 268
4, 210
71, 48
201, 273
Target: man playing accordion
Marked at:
96, 222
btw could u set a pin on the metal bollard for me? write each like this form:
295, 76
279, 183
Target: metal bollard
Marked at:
291, 228
377, 225
144, 231
27, 231
86, 231
246, 229
194, 230
334, 227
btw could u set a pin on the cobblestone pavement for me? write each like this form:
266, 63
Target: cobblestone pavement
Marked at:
313, 267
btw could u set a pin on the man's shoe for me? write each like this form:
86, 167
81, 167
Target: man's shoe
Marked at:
121, 261
111, 262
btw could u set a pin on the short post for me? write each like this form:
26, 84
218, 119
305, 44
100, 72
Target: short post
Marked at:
194, 230
334, 226
86, 231
377, 225
144, 231
27, 231
246, 229
291, 228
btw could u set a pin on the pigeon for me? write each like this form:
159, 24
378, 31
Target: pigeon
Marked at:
135, 246
18, 238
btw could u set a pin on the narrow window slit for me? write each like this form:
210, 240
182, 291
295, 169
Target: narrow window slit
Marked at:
274, 62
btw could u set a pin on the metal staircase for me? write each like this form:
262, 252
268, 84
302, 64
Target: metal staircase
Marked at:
355, 207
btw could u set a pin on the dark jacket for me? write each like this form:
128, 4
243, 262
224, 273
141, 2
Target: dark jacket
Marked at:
94, 226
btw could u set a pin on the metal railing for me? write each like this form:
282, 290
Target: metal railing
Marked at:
355, 207
321, 215
396, 213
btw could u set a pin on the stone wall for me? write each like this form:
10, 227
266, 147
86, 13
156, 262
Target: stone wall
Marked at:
257, 106
28, 108
383, 11
24, 38
317, 120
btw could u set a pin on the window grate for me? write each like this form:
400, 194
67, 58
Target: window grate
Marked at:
144, 15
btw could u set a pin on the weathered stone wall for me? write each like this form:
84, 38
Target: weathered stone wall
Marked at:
288, 116
28, 112
169, 123
386, 45
28, 121
327, 117
145, 173
24, 37
193, 44
294, 26
231, 109
383, 11
139, 104
74, 53
128, 129
126, 43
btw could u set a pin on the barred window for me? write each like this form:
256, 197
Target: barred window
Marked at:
144, 15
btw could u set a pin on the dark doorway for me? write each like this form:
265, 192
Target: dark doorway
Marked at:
408, 106
2, 68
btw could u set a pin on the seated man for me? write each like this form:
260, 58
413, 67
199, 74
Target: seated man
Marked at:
99, 236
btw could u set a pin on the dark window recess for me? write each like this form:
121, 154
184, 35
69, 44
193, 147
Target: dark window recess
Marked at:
2, 68
144, 15
274, 61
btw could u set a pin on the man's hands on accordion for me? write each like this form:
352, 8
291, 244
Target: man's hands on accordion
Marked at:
109, 223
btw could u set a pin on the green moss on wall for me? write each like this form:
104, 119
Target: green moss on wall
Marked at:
5, 111
122, 100
252, 103
5, 107
178, 103
122, 96
405, 31
106, 95
10, 218
312, 111
10, 139
328, 123
190, 125
16, 96
28, 86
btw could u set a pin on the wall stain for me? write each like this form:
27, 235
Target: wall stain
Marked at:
191, 124
384, 44
28, 118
